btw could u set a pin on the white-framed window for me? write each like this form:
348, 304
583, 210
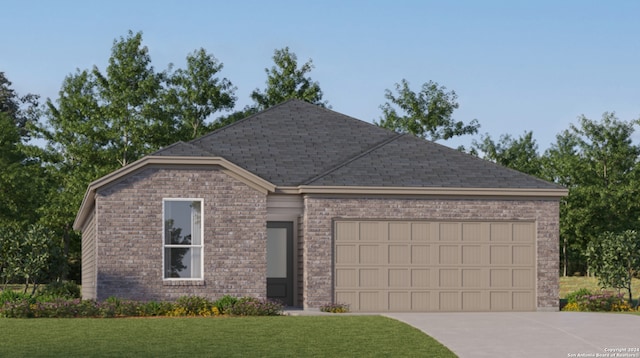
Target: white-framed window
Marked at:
182, 238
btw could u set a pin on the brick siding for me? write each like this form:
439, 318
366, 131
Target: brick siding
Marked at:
129, 235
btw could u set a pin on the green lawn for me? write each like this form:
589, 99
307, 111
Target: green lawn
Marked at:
289, 336
573, 283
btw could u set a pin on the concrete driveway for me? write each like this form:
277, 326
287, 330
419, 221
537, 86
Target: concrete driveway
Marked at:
531, 334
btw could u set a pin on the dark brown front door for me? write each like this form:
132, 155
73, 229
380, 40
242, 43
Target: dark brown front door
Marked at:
280, 261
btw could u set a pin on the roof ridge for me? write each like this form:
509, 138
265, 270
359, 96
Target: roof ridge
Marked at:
239, 121
354, 158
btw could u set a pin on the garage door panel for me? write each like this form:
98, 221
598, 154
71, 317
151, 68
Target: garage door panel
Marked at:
472, 255
522, 278
421, 301
370, 231
500, 255
420, 254
522, 255
500, 301
346, 278
369, 254
369, 301
346, 254
500, 232
449, 254
399, 254
449, 301
449, 278
449, 232
420, 278
346, 231
369, 278
421, 232
499, 278
523, 232
472, 301
435, 266
473, 232
398, 301
400, 231
398, 278
522, 301
472, 278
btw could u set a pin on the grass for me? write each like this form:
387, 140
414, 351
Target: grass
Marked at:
352, 336
574, 283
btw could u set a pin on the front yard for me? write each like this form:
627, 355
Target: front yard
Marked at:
307, 336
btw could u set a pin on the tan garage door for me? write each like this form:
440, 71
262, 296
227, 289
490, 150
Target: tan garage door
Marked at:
435, 266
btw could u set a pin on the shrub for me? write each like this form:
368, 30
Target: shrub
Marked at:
335, 308
14, 296
194, 306
572, 297
153, 308
584, 300
249, 306
61, 289
225, 303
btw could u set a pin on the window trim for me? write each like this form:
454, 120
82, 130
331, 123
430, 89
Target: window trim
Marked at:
201, 246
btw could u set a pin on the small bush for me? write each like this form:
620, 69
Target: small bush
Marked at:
249, 306
153, 308
61, 289
194, 306
225, 303
14, 296
573, 296
335, 308
587, 301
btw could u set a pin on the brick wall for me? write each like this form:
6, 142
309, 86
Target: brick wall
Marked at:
129, 235
319, 213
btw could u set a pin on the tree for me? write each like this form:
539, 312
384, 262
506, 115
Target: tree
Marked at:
29, 255
22, 177
104, 120
597, 162
427, 114
615, 258
286, 80
520, 154
196, 93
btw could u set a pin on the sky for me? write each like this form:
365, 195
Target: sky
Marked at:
516, 66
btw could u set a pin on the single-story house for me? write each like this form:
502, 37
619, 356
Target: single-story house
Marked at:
309, 206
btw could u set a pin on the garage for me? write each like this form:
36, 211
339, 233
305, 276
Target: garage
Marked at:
435, 266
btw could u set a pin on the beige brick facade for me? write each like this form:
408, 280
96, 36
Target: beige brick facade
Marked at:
319, 213
128, 231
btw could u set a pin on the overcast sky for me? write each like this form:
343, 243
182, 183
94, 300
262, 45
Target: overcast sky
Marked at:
515, 65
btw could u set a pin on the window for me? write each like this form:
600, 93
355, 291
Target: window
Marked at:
182, 238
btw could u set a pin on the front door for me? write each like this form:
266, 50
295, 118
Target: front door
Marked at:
280, 261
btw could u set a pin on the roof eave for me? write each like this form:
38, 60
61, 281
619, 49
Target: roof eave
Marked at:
231, 169
431, 191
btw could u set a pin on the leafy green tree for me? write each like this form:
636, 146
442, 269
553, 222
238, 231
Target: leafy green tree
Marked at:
597, 162
520, 154
30, 255
196, 93
615, 259
104, 120
426, 114
22, 177
285, 80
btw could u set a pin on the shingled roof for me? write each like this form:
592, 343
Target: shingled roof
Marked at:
298, 143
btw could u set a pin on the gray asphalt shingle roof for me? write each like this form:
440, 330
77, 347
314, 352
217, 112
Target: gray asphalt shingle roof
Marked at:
297, 143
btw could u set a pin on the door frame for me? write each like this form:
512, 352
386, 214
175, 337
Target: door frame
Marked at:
288, 282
